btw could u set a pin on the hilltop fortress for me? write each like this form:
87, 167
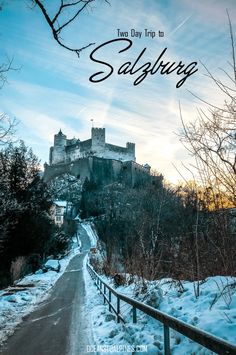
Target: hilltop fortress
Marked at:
94, 159
67, 150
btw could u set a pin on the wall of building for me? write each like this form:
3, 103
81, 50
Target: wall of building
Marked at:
58, 154
86, 146
82, 168
101, 171
118, 153
105, 171
98, 140
52, 171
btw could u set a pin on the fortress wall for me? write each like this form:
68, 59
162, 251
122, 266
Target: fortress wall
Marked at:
101, 171
72, 142
119, 153
115, 148
105, 171
72, 153
126, 173
52, 171
85, 145
78, 150
117, 167
82, 169
140, 175
58, 155
134, 174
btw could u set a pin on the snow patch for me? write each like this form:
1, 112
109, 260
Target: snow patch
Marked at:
212, 311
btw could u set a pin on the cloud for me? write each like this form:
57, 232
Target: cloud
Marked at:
182, 23
213, 12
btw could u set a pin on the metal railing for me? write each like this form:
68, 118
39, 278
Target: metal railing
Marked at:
209, 341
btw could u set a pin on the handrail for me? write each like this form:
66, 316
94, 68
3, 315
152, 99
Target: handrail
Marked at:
202, 337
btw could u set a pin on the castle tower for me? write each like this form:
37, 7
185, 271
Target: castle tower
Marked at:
57, 153
131, 150
98, 139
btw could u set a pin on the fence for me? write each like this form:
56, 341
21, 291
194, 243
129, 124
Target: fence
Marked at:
209, 341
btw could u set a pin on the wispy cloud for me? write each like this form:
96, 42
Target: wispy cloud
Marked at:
180, 25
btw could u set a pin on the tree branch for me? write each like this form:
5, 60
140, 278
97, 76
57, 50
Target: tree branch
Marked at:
79, 6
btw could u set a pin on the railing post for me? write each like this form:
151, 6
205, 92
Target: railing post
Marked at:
109, 300
166, 340
118, 310
100, 286
134, 314
104, 293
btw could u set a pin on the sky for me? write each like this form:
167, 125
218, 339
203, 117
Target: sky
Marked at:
52, 91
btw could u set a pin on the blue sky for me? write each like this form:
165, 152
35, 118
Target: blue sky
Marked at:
52, 88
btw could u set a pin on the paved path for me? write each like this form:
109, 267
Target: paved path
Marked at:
59, 326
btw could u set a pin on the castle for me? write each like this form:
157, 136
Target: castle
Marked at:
94, 159
67, 150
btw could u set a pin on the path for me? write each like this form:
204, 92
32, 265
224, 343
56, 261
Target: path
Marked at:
59, 326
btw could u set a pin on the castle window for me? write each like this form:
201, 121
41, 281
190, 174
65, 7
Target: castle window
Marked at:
124, 167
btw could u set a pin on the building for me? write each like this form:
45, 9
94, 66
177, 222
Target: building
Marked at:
95, 160
68, 150
58, 211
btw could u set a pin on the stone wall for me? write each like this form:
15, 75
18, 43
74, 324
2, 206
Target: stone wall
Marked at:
86, 145
52, 171
119, 153
101, 171
98, 139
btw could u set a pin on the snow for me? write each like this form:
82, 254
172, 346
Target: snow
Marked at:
91, 233
27, 294
52, 263
212, 311
60, 203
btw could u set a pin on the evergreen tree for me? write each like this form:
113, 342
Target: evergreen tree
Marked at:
25, 223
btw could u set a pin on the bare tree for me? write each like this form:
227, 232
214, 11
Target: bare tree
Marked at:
211, 139
7, 128
66, 12
7, 124
4, 69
